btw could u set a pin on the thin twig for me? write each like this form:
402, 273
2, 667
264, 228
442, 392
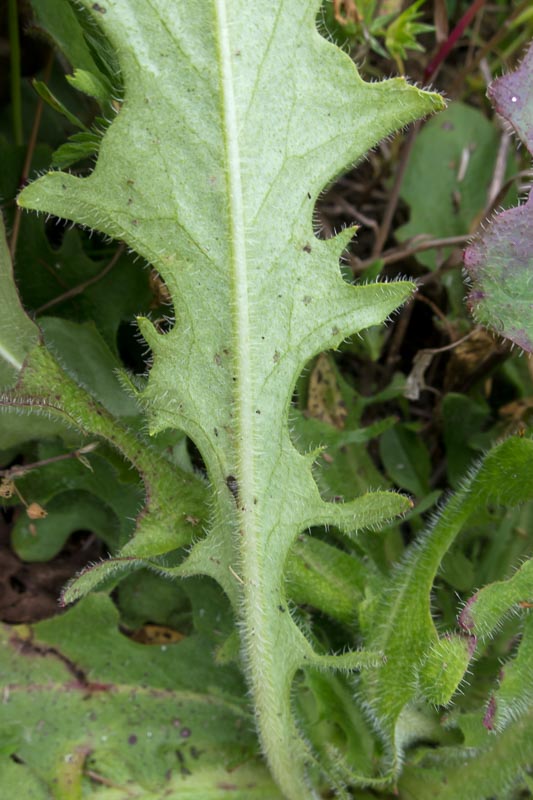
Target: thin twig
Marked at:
416, 381
398, 335
394, 195
489, 47
341, 204
76, 290
500, 166
451, 41
454, 258
14, 66
400, 253
95, 776
29, 157
437, 311
435, 350
21, 469
473, 38
429, 75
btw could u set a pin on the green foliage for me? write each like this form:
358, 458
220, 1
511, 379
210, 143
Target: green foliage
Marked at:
388, 31
96, 74
253, 527
401, 34
458, 149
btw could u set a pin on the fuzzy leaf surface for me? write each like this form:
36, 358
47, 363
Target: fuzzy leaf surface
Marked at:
400, 623
210, 172
500, 262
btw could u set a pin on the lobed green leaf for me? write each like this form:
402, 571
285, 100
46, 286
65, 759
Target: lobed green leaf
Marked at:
180, 179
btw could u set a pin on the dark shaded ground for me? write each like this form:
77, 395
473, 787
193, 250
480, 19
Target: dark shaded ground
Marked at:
29, 592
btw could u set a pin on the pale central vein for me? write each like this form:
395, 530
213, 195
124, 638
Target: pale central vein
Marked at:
11, 358
239, 266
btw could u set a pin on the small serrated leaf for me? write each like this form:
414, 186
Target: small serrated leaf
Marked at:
401, 624
444, 668
487, 608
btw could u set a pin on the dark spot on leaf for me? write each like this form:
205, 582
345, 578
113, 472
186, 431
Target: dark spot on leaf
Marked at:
276, 356
306, 300
132, 739
185, 733
99, 8
488, 719
335, 331
233, 486
281, 609
195, 753
217, 359
465, 618
306, 248
181, 759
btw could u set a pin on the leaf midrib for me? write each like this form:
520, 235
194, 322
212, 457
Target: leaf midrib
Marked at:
243, 393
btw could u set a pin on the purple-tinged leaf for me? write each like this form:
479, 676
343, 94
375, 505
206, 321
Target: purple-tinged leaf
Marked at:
512, 97
500, 261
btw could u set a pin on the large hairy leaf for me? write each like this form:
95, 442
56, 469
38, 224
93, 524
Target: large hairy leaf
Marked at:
235, 117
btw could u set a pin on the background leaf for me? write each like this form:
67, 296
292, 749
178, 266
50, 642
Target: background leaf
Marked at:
100, 715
